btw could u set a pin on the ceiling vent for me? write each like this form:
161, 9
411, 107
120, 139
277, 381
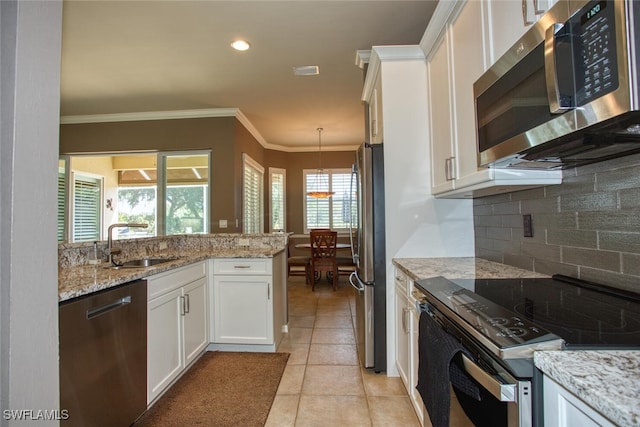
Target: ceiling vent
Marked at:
306, 70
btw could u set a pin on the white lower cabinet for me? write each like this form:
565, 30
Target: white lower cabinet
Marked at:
414, 395
242, 312
407, 340
564, 409
177, 322
249, 301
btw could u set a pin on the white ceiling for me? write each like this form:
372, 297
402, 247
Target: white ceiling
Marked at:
150, 55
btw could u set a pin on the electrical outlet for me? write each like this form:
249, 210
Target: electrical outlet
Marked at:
162, 245
222, 223
243, 242
527, 223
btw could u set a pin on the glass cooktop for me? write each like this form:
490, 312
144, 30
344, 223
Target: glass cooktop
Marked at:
583, 314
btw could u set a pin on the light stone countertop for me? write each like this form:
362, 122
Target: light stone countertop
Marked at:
459, 268
608, 381
85, 279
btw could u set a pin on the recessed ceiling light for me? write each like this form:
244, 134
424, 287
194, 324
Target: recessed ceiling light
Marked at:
306, 70
240, 45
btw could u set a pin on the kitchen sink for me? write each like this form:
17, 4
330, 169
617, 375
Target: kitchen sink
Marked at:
142, 263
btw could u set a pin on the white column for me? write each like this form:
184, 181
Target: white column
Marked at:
30, 41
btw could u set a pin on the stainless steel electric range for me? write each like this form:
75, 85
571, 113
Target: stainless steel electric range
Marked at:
501, 322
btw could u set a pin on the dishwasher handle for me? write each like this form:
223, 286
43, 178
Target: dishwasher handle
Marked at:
114, 305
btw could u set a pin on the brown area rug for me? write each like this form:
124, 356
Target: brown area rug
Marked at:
221, 389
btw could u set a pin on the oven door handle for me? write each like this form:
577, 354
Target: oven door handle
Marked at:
502, 392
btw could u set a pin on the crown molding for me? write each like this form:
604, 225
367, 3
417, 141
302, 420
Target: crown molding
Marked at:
442, 16
362, 58
167, 115
193, 114
314, 149
149, 115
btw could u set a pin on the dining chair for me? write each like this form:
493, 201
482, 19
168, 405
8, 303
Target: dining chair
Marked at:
299, 261
323, 255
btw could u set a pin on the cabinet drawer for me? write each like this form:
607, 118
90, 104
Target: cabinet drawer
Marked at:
164, 282
242, 266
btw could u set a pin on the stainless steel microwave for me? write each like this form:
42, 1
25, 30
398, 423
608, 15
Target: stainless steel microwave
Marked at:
566, 93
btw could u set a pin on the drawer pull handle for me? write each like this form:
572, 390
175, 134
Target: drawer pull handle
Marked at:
241, 266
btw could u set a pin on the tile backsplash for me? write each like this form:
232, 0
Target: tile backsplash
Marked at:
586, 227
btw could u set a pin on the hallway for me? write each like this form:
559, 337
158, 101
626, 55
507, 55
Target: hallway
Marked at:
323, 383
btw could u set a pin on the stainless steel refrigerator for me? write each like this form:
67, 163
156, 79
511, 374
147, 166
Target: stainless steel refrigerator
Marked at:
368, 250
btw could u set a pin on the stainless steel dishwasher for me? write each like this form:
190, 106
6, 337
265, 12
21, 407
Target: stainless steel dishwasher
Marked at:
103, 356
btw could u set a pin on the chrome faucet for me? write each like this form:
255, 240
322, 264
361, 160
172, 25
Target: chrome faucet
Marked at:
111, 251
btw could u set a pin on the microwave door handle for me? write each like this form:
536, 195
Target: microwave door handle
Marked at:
502, 392
550, 69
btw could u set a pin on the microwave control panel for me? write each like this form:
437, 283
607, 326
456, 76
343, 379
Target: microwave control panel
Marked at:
593, 29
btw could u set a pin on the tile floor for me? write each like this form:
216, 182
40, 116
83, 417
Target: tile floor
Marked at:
323, 383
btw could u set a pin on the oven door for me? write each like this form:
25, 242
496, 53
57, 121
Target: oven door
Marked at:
504, 400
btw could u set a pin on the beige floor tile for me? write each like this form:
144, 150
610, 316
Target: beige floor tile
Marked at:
302, 310
333, 411
335, 299
332, 380
333, 322
323, 384
283, 411
387, 411
298, 335
333, 336
301, 321
382, 385
333, 311
333, 354
298, 352
291, 381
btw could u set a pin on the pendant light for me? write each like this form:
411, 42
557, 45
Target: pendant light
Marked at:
321, 191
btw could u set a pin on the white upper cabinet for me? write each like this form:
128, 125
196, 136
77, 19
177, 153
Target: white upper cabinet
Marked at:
467, 65
507, 20
441, 133
460, 44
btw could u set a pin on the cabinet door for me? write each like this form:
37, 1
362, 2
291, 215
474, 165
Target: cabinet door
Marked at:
416, 399
196, 336
508, 20
164, 348
440, 118
402, 337
467, 65
243, 310
563, 409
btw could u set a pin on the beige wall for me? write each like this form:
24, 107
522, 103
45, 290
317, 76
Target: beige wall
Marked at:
212, 133
227, 139
295, 190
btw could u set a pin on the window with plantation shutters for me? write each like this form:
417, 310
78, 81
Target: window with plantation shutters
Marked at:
252, 197
335, 212
61, 207
86, 208
277, 189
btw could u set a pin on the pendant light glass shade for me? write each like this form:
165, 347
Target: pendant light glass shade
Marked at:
321, 190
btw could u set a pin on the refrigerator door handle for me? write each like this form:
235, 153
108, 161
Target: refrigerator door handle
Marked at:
359, 286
